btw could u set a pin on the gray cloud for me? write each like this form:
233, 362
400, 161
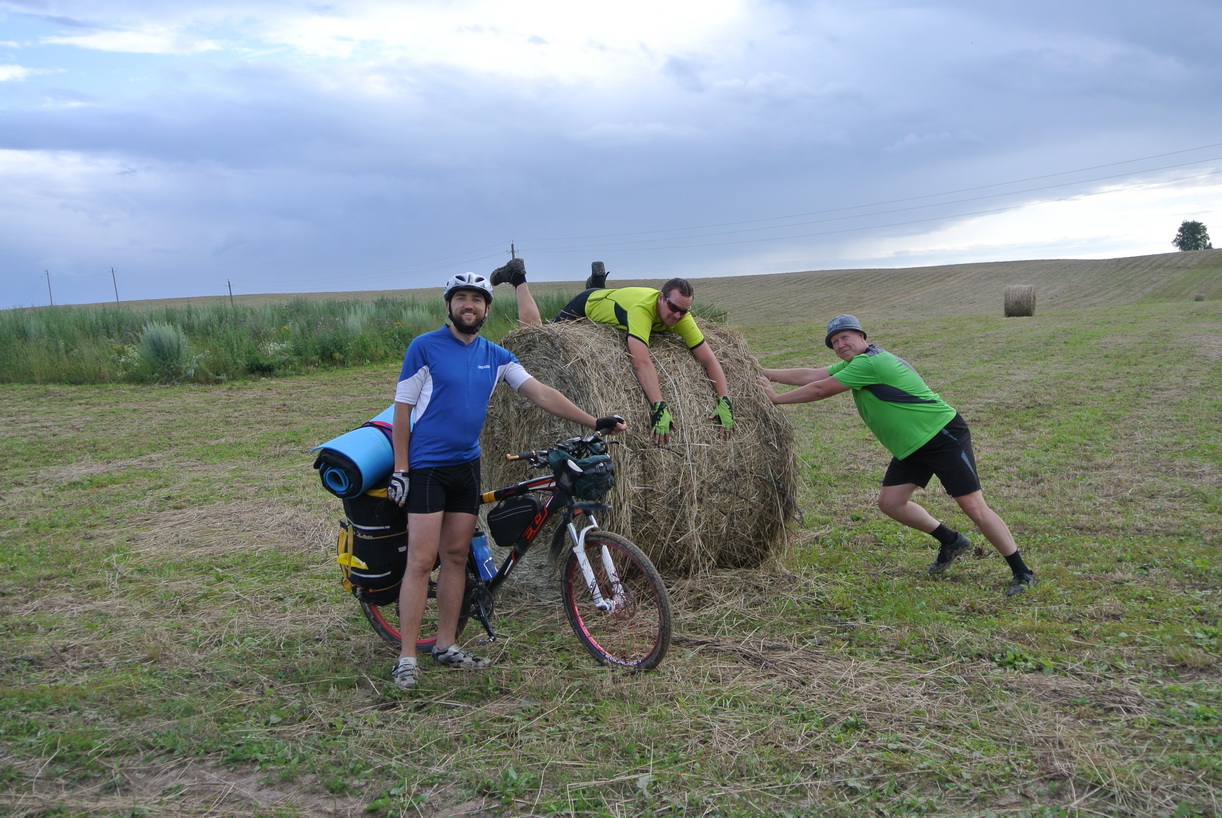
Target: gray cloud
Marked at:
800, 138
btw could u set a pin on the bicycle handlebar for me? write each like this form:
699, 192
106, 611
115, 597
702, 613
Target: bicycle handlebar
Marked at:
538, 457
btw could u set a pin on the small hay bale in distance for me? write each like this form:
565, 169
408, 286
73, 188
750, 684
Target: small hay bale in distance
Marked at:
699, 503
1020, 300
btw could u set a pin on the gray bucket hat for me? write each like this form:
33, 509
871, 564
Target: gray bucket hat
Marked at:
841, 323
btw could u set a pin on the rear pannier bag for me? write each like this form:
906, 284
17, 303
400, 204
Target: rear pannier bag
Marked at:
508, 520
372, 548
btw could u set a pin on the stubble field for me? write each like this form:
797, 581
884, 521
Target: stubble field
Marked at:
176, 641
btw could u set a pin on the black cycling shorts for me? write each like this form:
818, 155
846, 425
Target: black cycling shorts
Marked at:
575, 310
444, 488
948, 454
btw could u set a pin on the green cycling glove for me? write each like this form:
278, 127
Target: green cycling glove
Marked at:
724, 413
661, 418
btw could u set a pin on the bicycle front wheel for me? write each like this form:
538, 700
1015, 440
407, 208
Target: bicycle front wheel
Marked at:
628, 624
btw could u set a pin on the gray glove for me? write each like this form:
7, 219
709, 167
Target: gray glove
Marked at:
396, 490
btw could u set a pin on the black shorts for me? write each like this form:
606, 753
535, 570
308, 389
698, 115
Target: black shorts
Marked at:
444, 488
575, 310
948, 454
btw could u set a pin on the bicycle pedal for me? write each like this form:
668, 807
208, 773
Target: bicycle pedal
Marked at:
487, 640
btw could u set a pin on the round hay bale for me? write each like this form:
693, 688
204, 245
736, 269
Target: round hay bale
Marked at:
697, 504
1020, 300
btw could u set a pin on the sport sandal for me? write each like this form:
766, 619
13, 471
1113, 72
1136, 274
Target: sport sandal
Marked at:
405, 673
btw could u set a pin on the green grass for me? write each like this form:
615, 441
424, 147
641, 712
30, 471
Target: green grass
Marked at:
222, 342
177, 642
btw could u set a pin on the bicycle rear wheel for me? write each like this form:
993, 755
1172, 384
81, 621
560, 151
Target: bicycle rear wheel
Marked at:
635, 632
384, 619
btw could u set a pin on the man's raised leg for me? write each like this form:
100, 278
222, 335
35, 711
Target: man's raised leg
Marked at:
515, 273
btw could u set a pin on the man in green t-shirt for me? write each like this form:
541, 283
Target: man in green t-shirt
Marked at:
925, 435
640, 312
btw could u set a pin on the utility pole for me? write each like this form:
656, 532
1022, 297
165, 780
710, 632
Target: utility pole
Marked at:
114, 281
230, 284
47, 273
513, 253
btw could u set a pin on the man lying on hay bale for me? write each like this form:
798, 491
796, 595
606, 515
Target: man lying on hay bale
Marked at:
639, 311
701, 502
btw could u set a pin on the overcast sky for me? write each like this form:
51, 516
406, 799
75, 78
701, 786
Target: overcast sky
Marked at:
278, 146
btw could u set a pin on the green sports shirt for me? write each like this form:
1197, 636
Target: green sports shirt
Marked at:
896, 405
634, 309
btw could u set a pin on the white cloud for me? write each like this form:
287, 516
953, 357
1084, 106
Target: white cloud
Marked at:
146, 40
1110, 223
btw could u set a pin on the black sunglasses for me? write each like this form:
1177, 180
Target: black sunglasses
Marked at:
679, 311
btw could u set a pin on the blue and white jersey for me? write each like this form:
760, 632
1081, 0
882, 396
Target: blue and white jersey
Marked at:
449, 383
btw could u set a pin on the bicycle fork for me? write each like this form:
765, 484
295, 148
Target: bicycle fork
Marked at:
601, 602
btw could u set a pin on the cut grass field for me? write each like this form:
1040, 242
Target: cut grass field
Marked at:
176, 641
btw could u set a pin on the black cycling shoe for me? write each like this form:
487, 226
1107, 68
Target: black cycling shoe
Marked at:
1020, 583
512, 273
948, 553
598, 276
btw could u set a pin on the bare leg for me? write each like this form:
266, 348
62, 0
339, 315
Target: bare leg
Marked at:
456, 531
987, 520
430, 535
424, 538
896, 503
528, 310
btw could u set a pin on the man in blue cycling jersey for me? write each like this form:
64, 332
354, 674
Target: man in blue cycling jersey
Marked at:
440, 403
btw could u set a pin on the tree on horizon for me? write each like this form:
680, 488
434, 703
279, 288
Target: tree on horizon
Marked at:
1192, 236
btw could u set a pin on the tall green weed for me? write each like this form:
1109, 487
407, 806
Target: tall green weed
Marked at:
163, 355
227, 342
216, 343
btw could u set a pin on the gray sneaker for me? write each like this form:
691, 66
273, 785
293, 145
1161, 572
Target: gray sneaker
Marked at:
948, 553
456, 657
405, 673
512, 273
1020, 583
598, 276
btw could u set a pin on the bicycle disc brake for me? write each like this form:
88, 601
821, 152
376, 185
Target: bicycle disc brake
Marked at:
480, 603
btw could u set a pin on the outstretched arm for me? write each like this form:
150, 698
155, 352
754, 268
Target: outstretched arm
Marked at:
712, 368
661, 420
811, 391
554, 402
723, 412
644, 369
796, 377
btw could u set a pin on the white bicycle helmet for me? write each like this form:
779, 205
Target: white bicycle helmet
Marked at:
468, 281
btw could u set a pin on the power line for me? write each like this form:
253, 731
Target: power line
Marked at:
889, 212
931, 196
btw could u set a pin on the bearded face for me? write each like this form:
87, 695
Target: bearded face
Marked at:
468, 311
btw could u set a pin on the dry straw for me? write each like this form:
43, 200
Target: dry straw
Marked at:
1020, 300
700, 502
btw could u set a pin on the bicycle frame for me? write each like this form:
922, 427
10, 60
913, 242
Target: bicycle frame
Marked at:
557, 503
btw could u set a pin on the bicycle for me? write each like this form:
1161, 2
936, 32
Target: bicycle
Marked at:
615, 602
